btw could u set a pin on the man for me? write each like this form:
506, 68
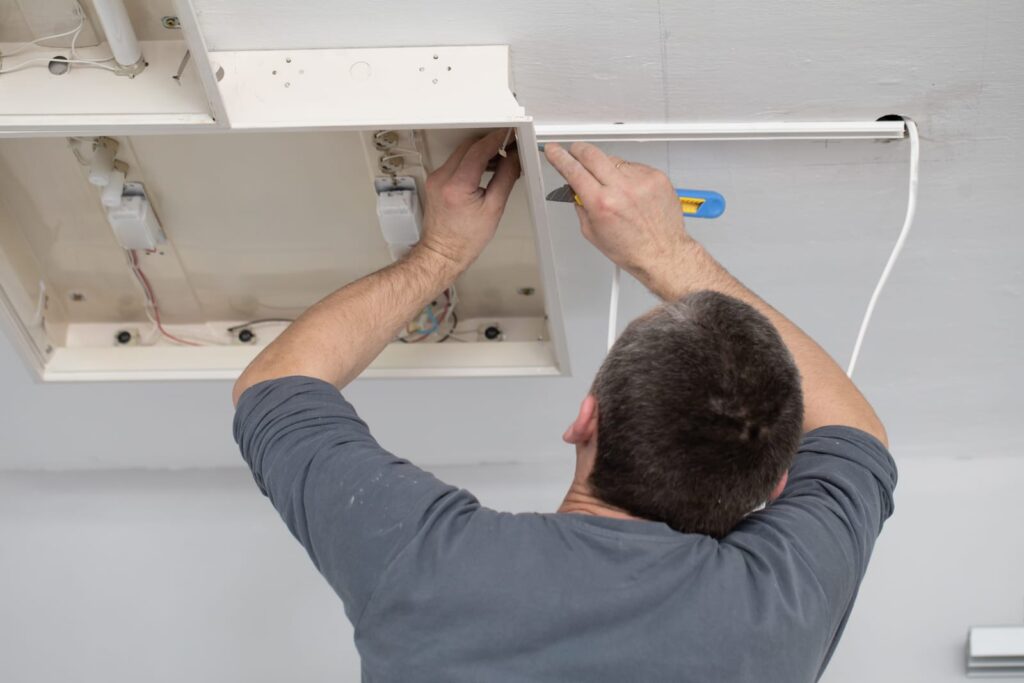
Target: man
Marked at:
659, 564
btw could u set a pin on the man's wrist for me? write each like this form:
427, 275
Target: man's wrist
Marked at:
675, 271
446, 266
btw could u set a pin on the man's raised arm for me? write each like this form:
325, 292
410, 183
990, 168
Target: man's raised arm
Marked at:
339, 336
631, 213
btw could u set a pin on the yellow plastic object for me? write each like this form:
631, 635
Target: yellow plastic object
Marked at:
691, 204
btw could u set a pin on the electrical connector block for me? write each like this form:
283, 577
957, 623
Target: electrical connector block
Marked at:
133, 221
401, 219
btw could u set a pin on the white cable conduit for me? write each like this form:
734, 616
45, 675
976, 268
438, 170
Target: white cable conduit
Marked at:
120, 35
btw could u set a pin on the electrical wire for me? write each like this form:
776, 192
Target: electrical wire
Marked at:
613, 307
74, 40
404, 150
152, 308
436, 322
915, 155
35, 43
261, 321
74, 33
451, 330
28, 62
401, 154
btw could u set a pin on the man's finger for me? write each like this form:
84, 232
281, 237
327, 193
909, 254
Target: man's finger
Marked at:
597, 162
584, 221
505, 177
583, 183
445, 170
474, 162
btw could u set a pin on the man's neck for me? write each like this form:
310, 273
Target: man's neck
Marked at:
580, 501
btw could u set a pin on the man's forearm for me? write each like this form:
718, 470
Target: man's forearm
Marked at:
339, 336
829, 396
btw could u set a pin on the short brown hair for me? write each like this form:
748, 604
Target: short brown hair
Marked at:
700, 413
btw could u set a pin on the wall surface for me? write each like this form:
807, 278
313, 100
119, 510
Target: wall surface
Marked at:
190, 576
189, 573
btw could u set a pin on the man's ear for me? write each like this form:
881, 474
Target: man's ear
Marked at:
584, 427
777, 491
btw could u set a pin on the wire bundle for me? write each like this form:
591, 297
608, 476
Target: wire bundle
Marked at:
430, 322
152, 308
74, 33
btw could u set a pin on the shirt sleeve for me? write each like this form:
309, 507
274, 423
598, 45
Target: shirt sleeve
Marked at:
353, 505
819, 534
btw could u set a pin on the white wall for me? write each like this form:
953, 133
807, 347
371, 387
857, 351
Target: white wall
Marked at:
190, 576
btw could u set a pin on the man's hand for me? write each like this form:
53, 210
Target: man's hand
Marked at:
460, 216
630, 211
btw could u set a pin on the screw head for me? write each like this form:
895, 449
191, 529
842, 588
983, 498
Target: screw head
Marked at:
526, 291
77, 297
171, 22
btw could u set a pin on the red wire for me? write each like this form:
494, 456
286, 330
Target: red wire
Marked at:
152, 298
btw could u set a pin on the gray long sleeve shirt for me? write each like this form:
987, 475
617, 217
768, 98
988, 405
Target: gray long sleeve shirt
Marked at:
440, 588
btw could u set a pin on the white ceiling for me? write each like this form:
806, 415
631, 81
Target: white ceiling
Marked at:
809, 225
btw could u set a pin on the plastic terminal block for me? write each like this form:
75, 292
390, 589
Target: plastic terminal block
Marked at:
401, 219
133, 221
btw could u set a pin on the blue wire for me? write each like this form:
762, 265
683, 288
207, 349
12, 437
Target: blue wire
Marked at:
433, 319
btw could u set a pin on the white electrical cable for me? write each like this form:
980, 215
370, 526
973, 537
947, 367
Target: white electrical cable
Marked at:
21, 65
74, 39
35, 43
613, 307
915, 154
74, 33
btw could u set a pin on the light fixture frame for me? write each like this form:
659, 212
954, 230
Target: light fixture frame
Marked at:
331, 89
465, 87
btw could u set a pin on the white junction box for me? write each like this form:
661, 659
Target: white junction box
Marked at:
254, 184
401, 218
134, 224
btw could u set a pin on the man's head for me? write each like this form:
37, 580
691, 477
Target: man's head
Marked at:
698, 413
